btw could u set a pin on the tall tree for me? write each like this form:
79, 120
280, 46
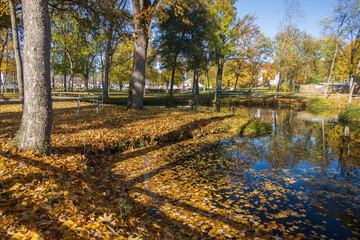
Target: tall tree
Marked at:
113, 23
223, 35
143, 11
4, 37
286, 42
36, 123
337, 26
15, 38
251, 46
181, 34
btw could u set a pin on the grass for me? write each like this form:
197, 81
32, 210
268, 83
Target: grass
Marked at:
350, 116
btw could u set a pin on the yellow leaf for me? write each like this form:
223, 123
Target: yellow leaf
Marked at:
16, 186
67, 224
35, 236
17, 236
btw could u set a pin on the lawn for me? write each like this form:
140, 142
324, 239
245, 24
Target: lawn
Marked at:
82, 189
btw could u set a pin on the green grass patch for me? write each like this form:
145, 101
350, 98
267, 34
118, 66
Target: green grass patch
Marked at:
350, 116
256, 127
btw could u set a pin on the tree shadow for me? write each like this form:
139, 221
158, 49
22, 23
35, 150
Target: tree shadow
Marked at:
94, 200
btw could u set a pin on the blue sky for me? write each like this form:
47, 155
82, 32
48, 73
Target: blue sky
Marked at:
270, 12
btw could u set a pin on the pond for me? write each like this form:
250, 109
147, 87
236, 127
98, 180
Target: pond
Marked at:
302, 181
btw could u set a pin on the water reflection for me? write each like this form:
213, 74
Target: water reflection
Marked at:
322, 162
315, 161
300, 182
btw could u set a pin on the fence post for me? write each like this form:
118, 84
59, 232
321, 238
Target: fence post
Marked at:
97, 105
78, 107
356, 97
102, 101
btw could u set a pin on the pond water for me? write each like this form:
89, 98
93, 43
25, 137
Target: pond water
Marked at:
302, 181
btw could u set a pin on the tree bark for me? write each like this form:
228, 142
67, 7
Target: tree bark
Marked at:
352, 84
220, 74
6, 73
72, 67
331, 70
53, 81
64, 81
236, 81
86, 80
278, 85
173, 77
35, 129
14, 30
2, 57
107, 66
140, 52
196, 81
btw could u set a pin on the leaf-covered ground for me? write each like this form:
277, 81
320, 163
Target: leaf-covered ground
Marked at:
176, 174
81, 191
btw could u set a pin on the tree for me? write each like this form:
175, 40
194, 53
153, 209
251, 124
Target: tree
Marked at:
4, 37
67, 40
287, 40
121, 66
15, 38
339, 26
143, 12
88, 54
113, 23
36, 123
251, 46
181, 34
223, 35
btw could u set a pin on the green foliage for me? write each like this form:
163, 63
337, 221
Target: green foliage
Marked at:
256, 127
349, 116
181, 35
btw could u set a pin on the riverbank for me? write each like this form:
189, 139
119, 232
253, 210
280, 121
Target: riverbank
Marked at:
350, 116
74, 192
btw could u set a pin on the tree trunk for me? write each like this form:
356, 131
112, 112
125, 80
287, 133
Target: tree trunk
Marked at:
196, 81
172, 79
208, 80
72, 67
1, 59
220, 74
53, 81
6, 73
352, 84
331, 70
138, 76
71, 81
86, 80
278, 85
35, 129
14, 30
251, 82
140, 50
0, 84
236, 81
64, 81
107, 66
